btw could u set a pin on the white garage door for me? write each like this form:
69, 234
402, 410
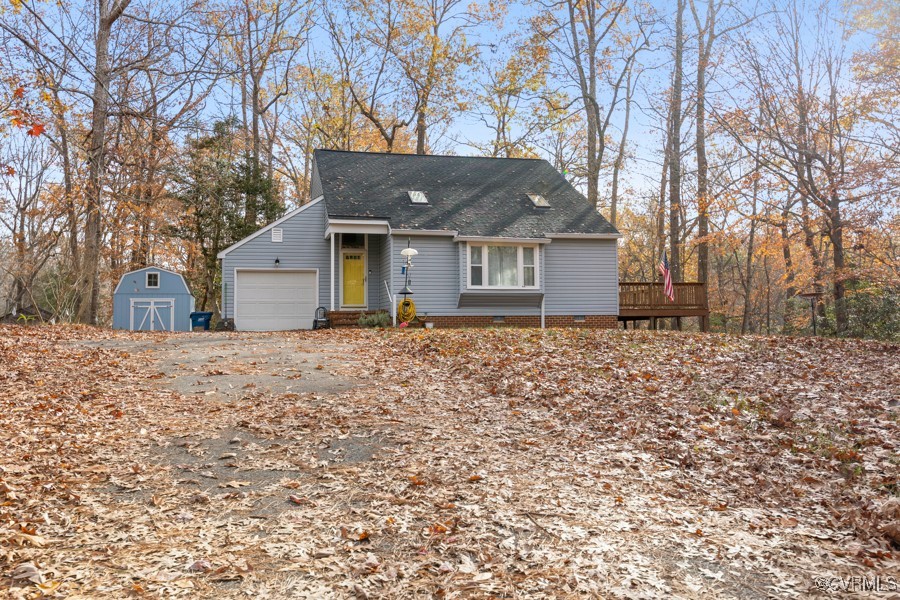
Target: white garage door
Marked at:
275, 300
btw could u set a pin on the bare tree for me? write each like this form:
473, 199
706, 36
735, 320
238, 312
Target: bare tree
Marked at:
593, 51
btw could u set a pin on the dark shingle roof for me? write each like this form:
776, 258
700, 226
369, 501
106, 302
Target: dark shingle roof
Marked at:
472, 195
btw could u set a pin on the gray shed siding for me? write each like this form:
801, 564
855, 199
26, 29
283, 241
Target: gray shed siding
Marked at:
303, 247
581, 277
133, 285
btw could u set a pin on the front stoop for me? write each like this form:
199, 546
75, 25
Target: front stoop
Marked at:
347, 318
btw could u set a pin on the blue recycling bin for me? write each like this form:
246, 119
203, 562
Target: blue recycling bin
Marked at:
201, 319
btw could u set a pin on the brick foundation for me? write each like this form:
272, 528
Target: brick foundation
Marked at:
590, 321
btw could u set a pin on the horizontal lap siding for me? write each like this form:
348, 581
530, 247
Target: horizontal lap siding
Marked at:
434, 278
581, 277
384, 298
438, 277
303, 247
374, 276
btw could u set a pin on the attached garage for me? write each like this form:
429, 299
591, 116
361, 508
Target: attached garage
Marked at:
275, 299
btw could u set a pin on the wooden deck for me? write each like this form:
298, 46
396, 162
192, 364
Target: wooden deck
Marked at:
642, 300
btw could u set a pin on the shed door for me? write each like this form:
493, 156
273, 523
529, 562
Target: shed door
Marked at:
152, 314
275, 300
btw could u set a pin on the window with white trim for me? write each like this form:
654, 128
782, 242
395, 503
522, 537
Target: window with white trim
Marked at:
152, 279
503, 266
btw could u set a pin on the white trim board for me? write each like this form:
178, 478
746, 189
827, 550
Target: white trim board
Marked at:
510, 241
366, 226
425, 232
520, 268
268, 227
585, 236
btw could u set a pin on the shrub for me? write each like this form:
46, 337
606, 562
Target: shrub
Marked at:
379, 319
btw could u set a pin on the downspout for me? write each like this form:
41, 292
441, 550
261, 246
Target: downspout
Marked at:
542, 312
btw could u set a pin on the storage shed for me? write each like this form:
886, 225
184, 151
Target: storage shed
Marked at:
152, 299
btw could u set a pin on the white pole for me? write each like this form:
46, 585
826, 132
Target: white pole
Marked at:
332, 270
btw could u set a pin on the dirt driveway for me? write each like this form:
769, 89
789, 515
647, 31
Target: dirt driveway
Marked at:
360, 464
230, 368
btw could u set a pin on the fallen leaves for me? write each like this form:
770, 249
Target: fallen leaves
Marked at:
27, 572
235, 484
543, 464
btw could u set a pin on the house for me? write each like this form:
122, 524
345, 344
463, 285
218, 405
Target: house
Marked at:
499, 241
152, 299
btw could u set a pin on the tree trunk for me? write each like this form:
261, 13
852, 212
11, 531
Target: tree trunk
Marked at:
93, 234
748, 285
663, 186
620, 157
420, 130
675, 158
702, 163
789, 274
836, 235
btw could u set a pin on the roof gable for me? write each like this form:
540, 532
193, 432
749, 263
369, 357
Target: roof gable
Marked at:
161, 270
475, 196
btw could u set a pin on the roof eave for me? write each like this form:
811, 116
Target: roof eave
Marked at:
585, 236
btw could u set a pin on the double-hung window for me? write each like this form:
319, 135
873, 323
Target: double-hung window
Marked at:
503, 266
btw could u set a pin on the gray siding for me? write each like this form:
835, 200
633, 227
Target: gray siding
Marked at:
438, 277
374, 286
434, 278
384, 298
581, 277
303, 247
578, 277
133, 285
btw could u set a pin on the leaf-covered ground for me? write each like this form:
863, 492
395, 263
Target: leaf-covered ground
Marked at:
448, 464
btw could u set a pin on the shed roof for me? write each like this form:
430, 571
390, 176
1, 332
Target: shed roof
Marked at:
187, 288
475, 196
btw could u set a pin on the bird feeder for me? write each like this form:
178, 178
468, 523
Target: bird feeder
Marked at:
813, 298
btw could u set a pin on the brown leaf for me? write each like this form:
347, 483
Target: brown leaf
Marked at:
235, 484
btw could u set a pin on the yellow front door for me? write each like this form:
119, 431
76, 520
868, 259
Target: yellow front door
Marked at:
354, 279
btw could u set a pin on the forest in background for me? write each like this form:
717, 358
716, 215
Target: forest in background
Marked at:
757, 143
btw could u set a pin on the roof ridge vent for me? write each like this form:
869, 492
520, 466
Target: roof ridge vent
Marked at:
417, 197
539, 201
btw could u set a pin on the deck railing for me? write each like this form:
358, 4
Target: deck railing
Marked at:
649, 296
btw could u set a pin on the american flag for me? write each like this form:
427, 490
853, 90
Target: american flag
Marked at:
668, 288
